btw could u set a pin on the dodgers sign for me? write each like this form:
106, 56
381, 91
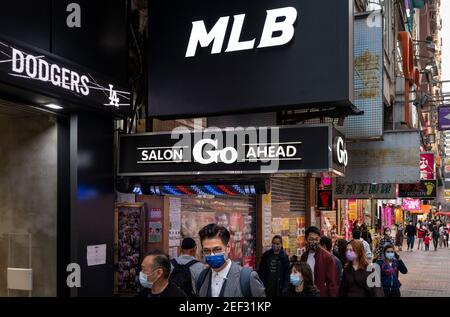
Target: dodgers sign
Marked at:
47, 75
235, 56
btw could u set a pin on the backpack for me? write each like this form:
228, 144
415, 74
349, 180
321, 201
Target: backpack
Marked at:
181, 276
244, 281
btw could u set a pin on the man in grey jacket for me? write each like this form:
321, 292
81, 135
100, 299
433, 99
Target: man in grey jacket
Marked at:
224, 278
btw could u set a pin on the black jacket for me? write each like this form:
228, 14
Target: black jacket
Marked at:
283, 270
410, 230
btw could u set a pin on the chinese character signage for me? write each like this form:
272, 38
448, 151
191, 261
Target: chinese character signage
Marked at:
423, 190
364, 191
411, 204
427, 166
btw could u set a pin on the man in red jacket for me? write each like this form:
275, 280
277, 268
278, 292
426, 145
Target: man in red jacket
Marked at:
321, 263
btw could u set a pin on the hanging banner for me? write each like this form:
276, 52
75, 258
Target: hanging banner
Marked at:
427, 166
444, 118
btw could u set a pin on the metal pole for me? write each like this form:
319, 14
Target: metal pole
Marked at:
9, 256
29, 260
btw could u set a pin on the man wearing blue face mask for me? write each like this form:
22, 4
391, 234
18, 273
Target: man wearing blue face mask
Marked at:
224, 278
274, 269
154, 277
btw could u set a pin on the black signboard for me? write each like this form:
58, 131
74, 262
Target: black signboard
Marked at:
36, 71
233, 56
425, 190
231, 151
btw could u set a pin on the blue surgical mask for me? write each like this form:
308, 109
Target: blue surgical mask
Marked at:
215, 260
143, 279
295, 279
390, 255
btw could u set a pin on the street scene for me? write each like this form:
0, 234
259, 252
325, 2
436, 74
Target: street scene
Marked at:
244, 149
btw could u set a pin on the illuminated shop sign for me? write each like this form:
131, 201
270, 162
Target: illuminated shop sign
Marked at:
238, 56
46, 75
249, 150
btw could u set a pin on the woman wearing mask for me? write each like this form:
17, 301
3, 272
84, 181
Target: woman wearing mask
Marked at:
274, 269
301, 282
390, 268
356, 274
385, 240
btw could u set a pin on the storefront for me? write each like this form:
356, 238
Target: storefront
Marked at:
362, 203
56, 145
257, 191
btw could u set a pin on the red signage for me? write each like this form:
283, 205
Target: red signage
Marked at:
427, 166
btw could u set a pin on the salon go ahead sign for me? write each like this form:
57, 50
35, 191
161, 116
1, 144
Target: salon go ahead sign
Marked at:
234, 151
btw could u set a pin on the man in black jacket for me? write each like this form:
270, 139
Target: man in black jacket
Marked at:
411, 235
274, 269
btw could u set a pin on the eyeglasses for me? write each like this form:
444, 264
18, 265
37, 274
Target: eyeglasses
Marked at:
215, 250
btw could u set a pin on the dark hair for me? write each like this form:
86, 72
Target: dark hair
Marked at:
277, 237
388, 246
308, 282
214, 231
312, 229
356, 233
160, 260
386, 229
341, 250
325, 241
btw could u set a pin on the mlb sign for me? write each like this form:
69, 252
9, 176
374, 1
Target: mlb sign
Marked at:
237, 56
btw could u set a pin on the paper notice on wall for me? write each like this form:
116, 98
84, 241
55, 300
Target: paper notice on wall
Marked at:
174, 238
155, 214
285, 242
277, 226
96, 254
175, 214
154, 232
173, 252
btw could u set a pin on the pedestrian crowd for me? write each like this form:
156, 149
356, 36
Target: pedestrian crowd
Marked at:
365, 266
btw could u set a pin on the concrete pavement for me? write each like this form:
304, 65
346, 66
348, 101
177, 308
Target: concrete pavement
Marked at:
428, 273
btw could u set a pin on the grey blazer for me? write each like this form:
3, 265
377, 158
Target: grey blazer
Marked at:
232, 286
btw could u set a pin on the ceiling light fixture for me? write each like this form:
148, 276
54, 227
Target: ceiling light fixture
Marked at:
53, 106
